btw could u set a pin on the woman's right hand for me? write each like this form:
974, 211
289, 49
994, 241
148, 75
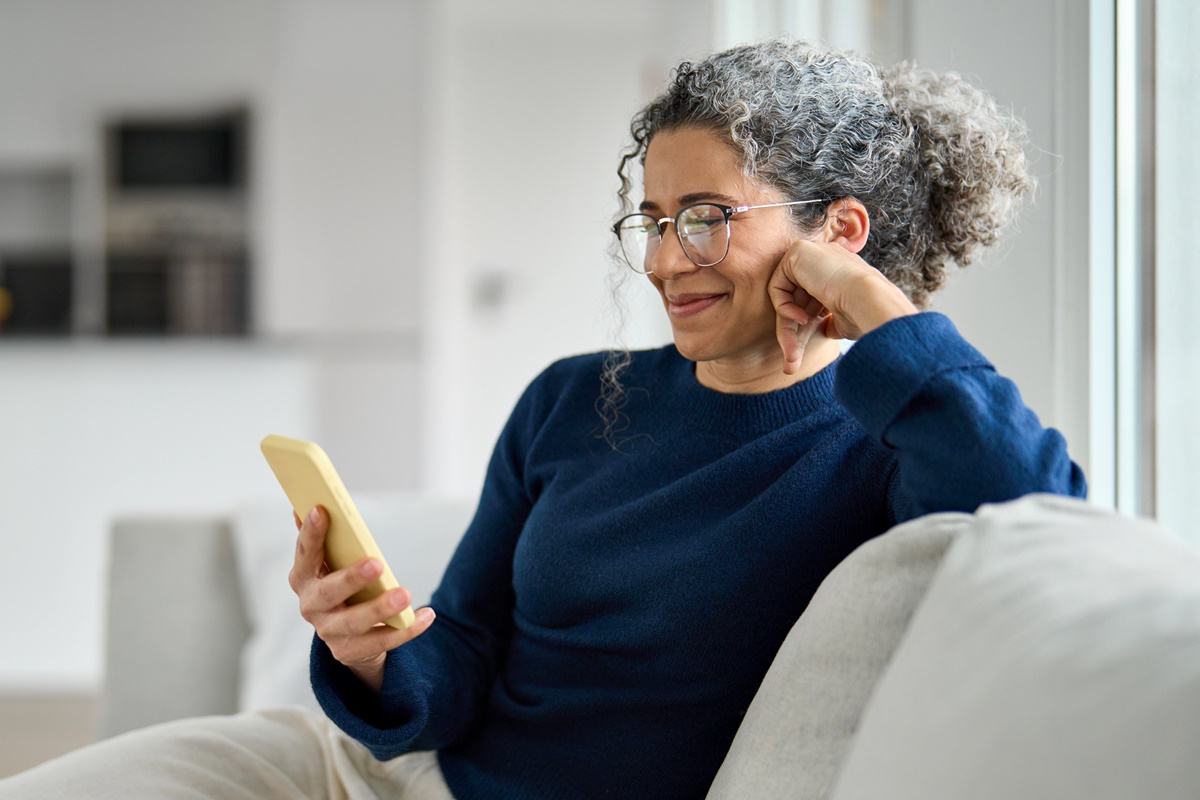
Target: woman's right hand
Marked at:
826, 283
355, 635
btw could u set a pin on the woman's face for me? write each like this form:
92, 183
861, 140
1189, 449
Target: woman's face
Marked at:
722, 312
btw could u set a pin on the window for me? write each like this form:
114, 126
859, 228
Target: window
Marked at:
1176, 310
1156, 324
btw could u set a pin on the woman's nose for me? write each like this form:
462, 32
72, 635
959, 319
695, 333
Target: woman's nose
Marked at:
670, 260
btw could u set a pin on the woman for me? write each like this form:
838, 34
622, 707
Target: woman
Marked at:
629, 576
615, 603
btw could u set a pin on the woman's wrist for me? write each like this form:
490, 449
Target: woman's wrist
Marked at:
371, 676
883, 302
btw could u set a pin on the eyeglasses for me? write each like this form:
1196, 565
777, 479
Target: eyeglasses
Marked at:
703, 230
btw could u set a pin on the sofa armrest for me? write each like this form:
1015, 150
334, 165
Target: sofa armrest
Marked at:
175, 622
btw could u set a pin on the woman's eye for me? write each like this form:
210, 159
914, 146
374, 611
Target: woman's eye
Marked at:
644, 226
698, 227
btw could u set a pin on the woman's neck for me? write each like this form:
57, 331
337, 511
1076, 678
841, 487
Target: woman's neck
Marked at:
760, 373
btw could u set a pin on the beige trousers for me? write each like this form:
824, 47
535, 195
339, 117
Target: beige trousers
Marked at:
284, 754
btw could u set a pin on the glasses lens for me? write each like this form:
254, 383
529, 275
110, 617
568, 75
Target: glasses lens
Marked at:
639, 241
704, 232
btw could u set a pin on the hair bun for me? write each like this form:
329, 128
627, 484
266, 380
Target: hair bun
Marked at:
972, 152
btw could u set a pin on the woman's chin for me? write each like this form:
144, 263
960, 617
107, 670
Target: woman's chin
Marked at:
704, 348
694, 349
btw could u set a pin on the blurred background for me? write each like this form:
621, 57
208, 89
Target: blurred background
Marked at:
372, 222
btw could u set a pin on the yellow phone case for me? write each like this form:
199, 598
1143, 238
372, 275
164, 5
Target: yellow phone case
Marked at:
309, 479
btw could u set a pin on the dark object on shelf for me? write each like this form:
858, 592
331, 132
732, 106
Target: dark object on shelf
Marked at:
39, 293
196, 294
137, 295
198, 153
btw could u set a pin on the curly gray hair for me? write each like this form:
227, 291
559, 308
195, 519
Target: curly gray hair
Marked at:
940, 168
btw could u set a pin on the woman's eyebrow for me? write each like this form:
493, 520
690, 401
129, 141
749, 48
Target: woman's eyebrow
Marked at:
694, 197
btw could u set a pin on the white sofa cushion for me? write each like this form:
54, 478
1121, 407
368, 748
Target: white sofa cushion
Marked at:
1056, 655
804, 716
417, 535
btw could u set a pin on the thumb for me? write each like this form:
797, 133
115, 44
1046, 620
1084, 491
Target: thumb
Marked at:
793, 338
787, 332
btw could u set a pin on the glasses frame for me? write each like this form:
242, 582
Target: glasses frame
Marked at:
726, 211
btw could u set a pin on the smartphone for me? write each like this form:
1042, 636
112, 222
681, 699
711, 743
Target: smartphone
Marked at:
309, 479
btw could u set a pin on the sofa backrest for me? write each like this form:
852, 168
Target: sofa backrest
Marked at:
175, 622
1056, 654
201, 619
1037, 648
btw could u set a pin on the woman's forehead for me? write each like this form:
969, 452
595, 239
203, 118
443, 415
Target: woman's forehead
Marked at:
684, 162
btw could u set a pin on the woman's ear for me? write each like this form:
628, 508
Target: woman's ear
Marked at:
848, 224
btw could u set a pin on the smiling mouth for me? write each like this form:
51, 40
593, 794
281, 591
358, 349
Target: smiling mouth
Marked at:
685, 305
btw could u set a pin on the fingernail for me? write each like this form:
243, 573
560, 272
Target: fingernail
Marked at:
314, 516
370, 567
425, 615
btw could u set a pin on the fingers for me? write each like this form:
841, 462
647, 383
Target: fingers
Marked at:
798, 316
809, 272
369, 645
796, 289
356, 634
337, 587
815, 279
809, 287
362, 617
309, 562
790, 299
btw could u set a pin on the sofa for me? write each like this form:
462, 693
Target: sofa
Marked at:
1041, 648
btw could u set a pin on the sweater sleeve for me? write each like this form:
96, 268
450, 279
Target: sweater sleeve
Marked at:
959, 432
435, 688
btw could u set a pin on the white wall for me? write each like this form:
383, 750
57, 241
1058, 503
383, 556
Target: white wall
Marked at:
338, 168
339, 239
530, 107
68, 62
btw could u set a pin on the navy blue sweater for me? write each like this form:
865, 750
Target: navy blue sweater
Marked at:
609, 615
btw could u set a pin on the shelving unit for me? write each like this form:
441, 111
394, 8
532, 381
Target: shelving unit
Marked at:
177, 224
37, 267
149, 237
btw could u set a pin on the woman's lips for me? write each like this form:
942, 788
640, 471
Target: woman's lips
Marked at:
685, 305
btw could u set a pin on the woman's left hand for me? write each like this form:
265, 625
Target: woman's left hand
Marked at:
823, 283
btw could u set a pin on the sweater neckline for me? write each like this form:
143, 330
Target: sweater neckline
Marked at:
746, 415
